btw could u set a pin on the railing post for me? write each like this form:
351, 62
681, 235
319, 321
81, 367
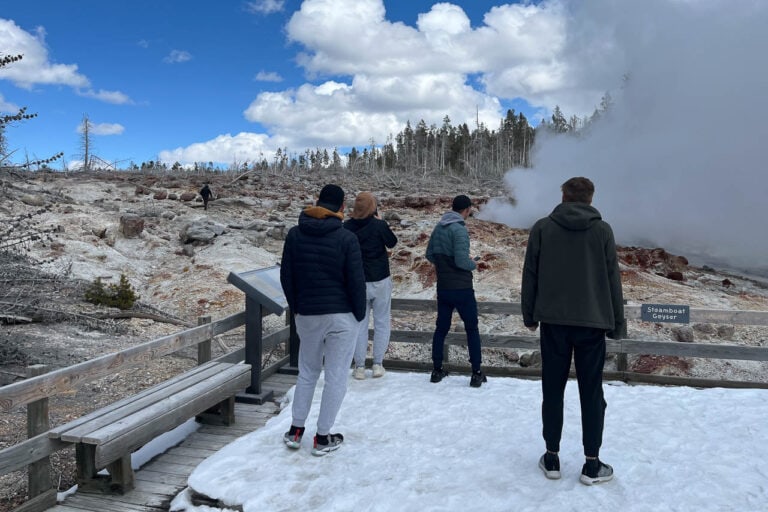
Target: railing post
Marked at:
204, 347
254, 338
39, 472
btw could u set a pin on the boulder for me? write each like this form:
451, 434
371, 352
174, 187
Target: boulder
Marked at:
131, 226
200, 232
683, 334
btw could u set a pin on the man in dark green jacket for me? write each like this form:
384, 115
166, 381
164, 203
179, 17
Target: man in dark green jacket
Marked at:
572, 288
448, 251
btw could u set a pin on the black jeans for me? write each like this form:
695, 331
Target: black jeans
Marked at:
587, 346
464, 302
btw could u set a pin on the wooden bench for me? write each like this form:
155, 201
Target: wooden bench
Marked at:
106, 437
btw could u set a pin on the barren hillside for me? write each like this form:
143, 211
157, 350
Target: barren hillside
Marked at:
58, 232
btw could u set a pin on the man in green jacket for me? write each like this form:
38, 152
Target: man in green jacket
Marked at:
448, 251
572, 288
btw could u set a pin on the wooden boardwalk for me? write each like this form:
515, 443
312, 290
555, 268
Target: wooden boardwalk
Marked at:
161, 479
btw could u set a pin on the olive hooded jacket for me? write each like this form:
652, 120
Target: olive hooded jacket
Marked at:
571, 272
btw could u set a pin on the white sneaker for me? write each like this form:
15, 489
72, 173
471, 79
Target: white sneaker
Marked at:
359, 373
378, 371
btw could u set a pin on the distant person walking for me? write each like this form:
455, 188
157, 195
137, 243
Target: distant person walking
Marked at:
321, 274
448, 251
375, 237
206, 194
571, 287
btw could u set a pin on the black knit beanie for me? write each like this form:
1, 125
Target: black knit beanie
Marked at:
331, 197
461, 202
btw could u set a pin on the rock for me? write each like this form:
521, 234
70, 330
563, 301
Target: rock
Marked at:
203, 232
683, 334
391, 216
531, 359
675, 276
99, 232
726, 331
131, 226
705, 328
160, 195
32, 199
277, 232
188, 196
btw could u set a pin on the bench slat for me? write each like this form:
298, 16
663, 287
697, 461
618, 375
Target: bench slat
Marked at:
74, 430
140, 432
157, 409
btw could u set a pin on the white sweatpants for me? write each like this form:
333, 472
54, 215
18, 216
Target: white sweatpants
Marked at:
330, 337
379, 300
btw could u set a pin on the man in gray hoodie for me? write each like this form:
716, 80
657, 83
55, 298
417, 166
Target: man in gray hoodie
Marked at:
448, 251
572, 289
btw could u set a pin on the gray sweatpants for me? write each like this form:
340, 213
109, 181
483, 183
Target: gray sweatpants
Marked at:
379, 300
323, 336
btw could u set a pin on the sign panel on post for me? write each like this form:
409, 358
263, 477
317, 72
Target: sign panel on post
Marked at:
665, 313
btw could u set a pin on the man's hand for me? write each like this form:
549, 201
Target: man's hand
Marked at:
533, 328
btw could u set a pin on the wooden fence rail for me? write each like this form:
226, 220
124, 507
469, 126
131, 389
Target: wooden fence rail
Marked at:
34, 391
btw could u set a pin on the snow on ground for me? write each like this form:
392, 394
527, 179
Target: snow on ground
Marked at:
413, 445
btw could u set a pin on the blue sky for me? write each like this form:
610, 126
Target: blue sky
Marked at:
230, 81
199, 80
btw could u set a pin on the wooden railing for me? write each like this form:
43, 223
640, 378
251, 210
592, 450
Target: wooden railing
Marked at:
719, 350
35, 391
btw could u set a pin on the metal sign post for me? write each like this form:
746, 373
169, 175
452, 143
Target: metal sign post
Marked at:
263, 295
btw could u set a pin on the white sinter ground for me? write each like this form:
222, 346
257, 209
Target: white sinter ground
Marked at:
412, 445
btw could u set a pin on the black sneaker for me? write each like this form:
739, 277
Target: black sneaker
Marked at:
292, 438
437, 375
477, 379
550, 465
595, 472
326, 444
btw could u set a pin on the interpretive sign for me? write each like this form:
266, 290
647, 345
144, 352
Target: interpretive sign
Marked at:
665, 313
262, 285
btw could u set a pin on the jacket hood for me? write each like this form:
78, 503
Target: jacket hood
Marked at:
575, 216
356, 225
451, 218
318, 221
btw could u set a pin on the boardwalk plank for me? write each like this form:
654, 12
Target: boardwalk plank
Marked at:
161, 479
184, 450
173, 468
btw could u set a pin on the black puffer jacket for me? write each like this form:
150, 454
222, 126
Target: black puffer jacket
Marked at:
375, 237
322, 269
571, 272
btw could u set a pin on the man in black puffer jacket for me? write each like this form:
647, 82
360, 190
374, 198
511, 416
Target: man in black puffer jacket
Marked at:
375, 237
322, 277
572, 286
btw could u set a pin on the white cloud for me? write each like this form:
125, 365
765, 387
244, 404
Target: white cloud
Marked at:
115, 97
224, 148
103, 128
177, 56
34, 68
268, 76
143, 43
6, 106
264, 6
395, 73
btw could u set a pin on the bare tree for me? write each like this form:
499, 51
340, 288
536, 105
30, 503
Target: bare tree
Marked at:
86, 143
21, 115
